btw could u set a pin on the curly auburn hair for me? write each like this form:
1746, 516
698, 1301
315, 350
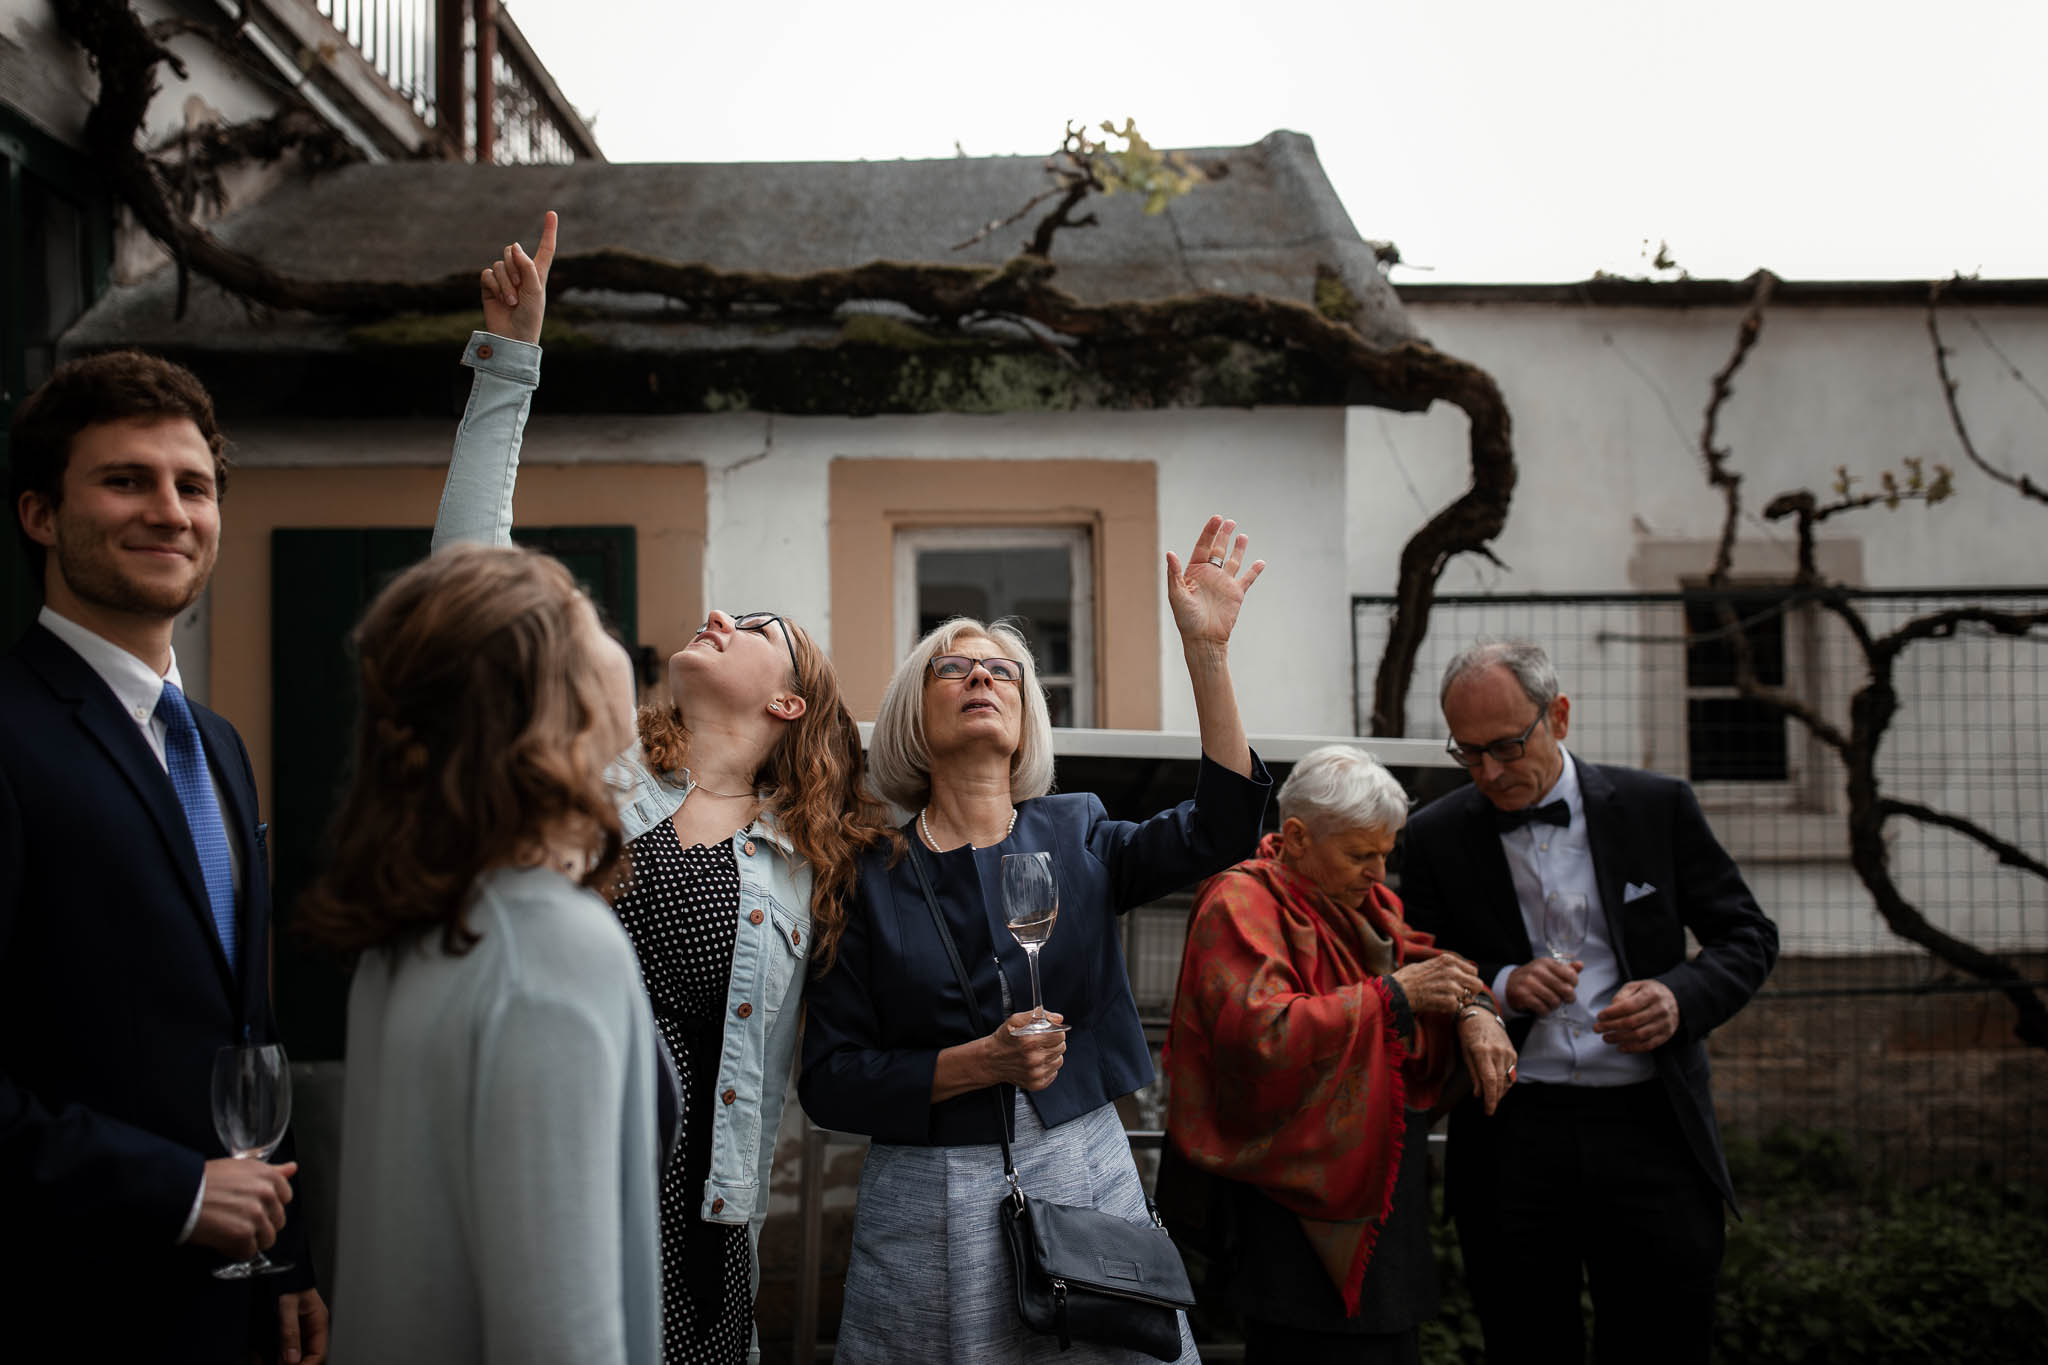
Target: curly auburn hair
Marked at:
474, 742
816, 786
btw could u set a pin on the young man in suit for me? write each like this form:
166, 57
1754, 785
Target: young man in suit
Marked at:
1603, 1164
134, 906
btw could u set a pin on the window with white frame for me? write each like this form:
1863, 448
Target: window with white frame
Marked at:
1745, 761
1730, 737
1040, 576
1739, 750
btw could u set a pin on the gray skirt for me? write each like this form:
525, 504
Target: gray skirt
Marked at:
929, 1278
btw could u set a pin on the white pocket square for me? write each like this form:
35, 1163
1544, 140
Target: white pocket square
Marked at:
1633, 892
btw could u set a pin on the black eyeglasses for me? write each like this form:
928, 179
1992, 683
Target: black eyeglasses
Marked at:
954, 667
760, 621
1501, 750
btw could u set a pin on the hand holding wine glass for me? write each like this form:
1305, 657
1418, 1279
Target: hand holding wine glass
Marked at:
252, 1105
1013, 1055
1031, 907
1564, 932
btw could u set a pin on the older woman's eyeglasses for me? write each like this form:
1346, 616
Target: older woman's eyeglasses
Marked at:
759, 621
1500, 751
954, 667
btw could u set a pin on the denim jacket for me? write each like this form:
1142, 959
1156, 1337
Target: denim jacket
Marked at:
774, 940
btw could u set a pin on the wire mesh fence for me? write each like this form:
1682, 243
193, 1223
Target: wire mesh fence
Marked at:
1859, 1030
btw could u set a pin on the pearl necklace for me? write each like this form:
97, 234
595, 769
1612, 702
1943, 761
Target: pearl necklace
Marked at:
924, 827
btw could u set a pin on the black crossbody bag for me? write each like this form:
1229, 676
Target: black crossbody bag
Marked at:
1081, 1274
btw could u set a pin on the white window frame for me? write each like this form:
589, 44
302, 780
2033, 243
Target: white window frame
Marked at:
1801, 789
1077, 541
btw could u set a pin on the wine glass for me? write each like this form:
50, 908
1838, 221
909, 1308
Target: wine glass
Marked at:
1031, 906
1564, 933
252, 1104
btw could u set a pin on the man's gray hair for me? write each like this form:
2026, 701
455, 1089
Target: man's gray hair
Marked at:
1524, 659
1338, 787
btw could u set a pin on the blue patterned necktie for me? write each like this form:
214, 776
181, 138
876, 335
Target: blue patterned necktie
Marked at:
187, 762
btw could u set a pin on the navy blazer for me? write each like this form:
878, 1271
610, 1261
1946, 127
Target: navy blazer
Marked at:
878, 1019
114, 995
1644, 829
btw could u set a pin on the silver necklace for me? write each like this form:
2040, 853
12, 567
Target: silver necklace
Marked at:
924, 827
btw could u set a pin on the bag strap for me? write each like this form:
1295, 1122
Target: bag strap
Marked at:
1001, 1093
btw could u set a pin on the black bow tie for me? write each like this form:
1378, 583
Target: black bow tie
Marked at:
1555, 813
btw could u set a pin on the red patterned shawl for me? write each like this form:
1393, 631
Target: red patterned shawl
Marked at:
1283, 1066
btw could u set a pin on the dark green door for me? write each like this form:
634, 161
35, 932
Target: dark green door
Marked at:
320, 582
56, 242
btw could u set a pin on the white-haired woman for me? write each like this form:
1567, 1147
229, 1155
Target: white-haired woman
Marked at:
1312, 1033
964, 741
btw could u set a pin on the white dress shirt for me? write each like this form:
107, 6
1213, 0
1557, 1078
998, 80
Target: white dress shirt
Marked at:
1544, 860
138, 688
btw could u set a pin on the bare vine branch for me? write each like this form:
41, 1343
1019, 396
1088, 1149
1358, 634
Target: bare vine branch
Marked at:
995, 225
1875, 704
2011, 855
1464, 527
1718, 472
1943, 625
2019, 483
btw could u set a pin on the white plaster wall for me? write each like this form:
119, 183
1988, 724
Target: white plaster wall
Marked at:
215, 86
43, 76
1279, 472
1607, 407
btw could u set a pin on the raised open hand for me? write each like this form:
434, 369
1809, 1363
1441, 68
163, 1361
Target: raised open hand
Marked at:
1206, 592
516, 288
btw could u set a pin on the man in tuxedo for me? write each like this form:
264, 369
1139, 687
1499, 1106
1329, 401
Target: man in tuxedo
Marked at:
1603, 1163
134, 907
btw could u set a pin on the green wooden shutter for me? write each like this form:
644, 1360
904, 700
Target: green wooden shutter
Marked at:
320, 583
56, 246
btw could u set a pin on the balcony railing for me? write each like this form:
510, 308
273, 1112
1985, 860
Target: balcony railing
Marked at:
428, 53
397, 38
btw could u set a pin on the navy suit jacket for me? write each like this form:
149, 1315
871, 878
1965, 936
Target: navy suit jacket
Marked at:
876, 1022
1643, 828
114, 995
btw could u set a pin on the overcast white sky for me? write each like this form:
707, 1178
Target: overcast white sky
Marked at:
1491, 139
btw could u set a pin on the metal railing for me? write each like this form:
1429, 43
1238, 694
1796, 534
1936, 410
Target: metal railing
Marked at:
398, 38
491, 101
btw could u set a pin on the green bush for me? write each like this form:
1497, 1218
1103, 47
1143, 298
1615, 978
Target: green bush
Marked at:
1831, 1267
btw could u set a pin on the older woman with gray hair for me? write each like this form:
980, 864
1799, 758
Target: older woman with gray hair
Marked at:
964, 742
1312, 1034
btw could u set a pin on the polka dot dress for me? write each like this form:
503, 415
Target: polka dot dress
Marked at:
682, 911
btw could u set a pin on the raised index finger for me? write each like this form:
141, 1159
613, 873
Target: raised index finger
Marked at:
544, 254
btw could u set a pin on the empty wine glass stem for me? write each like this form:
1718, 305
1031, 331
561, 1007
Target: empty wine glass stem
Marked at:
1037, 998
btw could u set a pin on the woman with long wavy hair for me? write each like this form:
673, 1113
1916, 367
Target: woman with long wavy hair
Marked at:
744, 812
498, 1130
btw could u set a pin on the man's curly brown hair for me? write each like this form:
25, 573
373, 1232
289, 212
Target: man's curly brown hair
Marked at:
112, 386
